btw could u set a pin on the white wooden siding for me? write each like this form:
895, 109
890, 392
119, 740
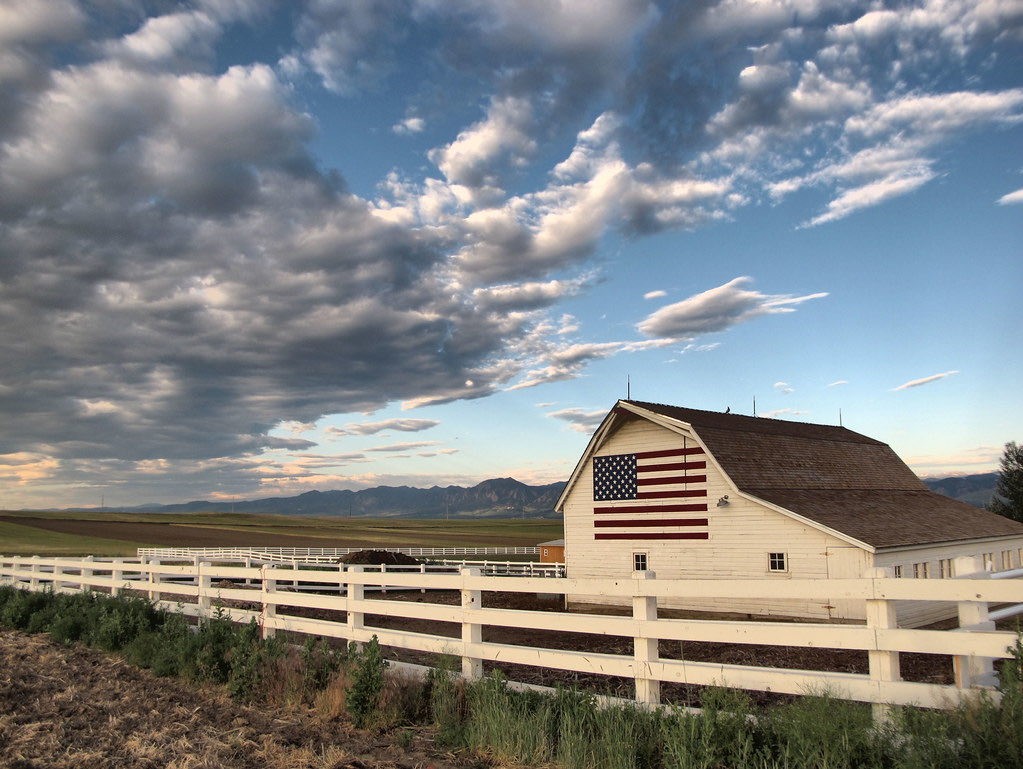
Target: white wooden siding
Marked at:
918, 613
741, 534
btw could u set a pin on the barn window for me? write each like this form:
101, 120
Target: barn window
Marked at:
545, 552
898, 571
989, 561
639, 561
921, 570
1006, 560
945, 568
777, 562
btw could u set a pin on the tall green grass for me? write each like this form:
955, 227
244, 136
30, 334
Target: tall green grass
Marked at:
569, 729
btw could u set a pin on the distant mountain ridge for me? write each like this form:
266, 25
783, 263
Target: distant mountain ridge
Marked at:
975, 490
494, 498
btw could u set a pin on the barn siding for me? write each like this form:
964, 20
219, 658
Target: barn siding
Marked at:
917, 613
741, 535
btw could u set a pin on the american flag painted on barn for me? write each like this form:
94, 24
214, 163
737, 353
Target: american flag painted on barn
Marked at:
651, 495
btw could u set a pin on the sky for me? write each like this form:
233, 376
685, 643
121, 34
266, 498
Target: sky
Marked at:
253, 248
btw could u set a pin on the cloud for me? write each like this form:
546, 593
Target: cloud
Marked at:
783, 388
974, 460
655, 294
579, 420
183, 277
783, 412
371, 428
923, 381
393, 447
717, 310
1011, 198
410, 125
837, 383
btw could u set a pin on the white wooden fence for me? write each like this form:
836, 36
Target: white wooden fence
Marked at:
320, 554
195, 587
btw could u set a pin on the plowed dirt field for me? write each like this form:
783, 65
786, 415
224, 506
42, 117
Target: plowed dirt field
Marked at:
75, 708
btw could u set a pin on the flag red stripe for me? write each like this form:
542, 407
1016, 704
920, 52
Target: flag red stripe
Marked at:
695, 508
671, 494
668, 453
666, 535
671, 479
649, 523
674, 466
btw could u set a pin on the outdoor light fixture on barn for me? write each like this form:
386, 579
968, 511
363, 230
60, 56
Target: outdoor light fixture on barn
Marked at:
794, 501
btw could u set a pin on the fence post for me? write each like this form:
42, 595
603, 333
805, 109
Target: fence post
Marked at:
58, 574
644, 609
154, 580
356, 592
294, 566
268, 588
33, 581
472, 633
86, 573
973, 615
884, 665
116, 576
205, 583
422, 570
383, 585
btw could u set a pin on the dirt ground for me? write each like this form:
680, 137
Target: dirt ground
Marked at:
76, 708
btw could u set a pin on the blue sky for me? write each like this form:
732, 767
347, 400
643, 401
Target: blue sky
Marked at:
258, 248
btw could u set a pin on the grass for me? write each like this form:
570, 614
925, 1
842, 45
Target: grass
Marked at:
16, 539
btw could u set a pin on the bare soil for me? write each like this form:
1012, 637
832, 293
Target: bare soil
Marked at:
69, 708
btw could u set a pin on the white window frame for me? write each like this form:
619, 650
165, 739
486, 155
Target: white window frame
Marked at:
921, 570
636, 562
778, 563
897, 570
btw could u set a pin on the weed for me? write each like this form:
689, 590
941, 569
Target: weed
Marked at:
367, 681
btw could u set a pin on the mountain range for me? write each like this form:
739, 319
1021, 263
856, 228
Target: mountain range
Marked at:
494, 498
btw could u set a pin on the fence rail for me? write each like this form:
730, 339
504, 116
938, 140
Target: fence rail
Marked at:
320, 554
195, 587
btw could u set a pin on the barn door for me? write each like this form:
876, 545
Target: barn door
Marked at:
845, 563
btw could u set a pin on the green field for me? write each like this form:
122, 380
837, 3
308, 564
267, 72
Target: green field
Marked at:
120, 533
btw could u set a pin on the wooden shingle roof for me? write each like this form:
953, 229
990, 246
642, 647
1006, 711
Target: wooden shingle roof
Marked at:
838, 478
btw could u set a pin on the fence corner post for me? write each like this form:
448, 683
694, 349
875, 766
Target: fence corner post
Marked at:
645, 653
267, 589
884, 665
472, 632
33, 582
973, 615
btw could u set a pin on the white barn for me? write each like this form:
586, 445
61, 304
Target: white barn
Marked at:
692, 494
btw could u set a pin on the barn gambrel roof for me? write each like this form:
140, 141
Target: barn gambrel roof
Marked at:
828, 476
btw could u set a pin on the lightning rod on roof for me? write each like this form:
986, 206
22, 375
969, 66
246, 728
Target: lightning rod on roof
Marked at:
754, 405
628, 387
840, 417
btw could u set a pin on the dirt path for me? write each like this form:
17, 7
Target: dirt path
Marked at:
71, 708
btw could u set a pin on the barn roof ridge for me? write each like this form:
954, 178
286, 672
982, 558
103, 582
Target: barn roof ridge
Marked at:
719, 420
